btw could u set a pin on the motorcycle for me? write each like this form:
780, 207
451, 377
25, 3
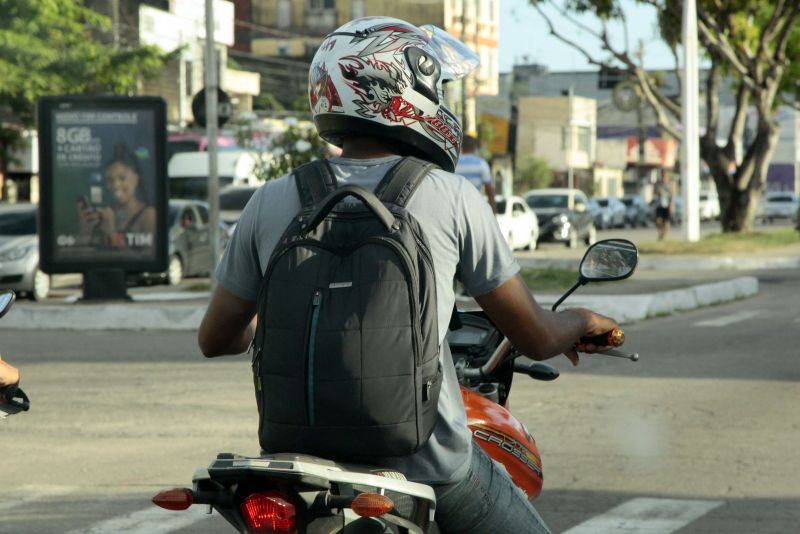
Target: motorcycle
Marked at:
299, 494
12, 399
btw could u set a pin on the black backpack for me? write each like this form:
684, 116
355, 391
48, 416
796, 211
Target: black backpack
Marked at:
346, 352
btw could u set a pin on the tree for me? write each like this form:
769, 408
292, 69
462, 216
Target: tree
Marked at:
532, 173
750, 41
48, 47
277, 155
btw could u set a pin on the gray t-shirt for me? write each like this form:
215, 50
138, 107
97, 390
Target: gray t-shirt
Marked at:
465, 242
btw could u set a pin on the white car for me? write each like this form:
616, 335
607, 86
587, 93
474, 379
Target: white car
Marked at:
777, 205
709, 205
517, 222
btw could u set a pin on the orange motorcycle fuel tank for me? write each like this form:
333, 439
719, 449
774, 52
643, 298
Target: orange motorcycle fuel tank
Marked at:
506, 440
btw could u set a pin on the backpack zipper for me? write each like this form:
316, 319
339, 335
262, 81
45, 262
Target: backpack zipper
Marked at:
316, 302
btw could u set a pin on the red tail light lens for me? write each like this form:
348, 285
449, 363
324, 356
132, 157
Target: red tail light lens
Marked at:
269, 512
174, 499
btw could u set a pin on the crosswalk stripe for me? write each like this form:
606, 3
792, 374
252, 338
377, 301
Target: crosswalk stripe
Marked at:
150, 521
653, 516
733, 318
29, 496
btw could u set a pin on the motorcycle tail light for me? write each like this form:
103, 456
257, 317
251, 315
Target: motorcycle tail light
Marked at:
269, 512
372, 504
174, 499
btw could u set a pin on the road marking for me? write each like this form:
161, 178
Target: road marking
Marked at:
653, 516
733, 318
150, 521
35, 495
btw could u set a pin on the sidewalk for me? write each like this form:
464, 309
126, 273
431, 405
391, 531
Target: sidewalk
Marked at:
661, 285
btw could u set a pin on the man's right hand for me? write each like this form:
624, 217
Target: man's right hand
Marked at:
9, 375
539, 333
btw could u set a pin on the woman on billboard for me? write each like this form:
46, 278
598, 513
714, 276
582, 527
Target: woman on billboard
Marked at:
130, 221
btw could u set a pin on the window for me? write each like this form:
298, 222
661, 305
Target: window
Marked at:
203, 211
547, 201
584, 139
608, 78
322, 4
284, 14
518, 210
358, 9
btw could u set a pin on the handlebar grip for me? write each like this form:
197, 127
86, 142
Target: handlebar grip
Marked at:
614, 338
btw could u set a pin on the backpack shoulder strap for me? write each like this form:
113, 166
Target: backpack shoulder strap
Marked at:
402, 180
314, 181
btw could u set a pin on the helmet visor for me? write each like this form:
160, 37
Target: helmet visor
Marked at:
456, 59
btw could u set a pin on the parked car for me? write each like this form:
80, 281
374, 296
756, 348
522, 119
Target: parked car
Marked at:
613, 212
188, 172
517, 222
563, 215
189, 251
709, 205
596, 211
196, 142
637, 212
232, 200
777, 205
19, 252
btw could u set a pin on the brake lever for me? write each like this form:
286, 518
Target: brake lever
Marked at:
619, 354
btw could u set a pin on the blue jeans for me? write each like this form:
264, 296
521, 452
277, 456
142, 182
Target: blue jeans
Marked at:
485, 502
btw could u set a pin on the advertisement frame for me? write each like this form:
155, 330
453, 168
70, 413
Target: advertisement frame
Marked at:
46, 106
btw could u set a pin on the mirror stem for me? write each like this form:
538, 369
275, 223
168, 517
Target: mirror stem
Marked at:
581, 282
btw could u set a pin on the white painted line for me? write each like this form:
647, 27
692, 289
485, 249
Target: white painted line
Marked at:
646, 516
150, 521
733, 318
34, 495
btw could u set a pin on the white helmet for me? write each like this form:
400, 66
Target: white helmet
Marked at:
380, 76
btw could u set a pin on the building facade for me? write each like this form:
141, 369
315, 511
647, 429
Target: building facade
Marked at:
293, 30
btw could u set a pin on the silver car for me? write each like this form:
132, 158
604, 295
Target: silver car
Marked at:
19, 252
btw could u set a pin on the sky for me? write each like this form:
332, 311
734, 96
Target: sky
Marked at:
523, 32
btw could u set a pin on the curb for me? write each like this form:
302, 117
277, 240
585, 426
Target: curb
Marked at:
710, 263
631, 308
182, 317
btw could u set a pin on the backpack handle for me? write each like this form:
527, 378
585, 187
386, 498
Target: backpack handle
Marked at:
334, 197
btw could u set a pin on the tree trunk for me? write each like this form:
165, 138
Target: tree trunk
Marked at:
739, 193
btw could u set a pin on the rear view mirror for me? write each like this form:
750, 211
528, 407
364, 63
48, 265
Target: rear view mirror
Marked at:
6, 300
611, 259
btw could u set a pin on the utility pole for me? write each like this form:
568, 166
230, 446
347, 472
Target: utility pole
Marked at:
464, 120
690, 162
570, 171
212, 86
115, 22
642, 171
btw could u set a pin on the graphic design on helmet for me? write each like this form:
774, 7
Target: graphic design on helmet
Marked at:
323, 94
382, 77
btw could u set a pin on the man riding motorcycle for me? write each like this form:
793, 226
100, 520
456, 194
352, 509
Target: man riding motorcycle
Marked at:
377, 91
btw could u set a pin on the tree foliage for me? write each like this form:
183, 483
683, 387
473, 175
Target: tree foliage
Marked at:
532, 173
278, 154
750, 41
51, 47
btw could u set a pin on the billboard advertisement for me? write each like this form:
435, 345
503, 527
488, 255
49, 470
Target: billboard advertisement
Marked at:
103, 193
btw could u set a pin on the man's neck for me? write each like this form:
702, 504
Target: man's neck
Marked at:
365, 148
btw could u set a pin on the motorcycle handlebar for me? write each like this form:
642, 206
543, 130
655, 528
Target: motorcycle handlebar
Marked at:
614, 338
